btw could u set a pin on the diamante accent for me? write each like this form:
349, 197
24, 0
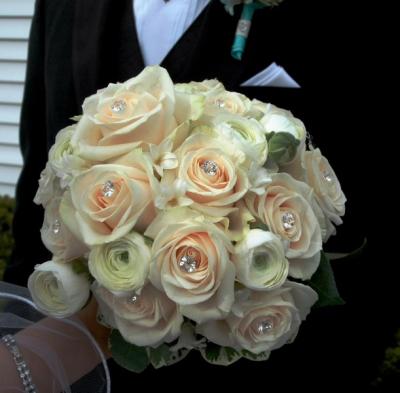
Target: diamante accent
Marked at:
264, 326
328, 176
56, 227
133, 299
288, 220
220, 103
188, 264
108, 189
209, 167
118, 106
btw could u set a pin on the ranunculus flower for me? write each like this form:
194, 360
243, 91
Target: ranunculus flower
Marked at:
191, 263
107, 201
56, 236
260, 260
212, 172
148, 319
286, 208
57, 290
321, 177
64, 161
121, 265
261, 321
122, 116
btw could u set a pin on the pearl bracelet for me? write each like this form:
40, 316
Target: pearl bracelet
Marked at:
22, 367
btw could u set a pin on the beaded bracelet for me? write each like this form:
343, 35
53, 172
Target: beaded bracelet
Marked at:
22, 367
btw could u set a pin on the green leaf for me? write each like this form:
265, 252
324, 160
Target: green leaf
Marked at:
160, 356
257, 357
222, 356
323, 282
127, 355
282, 146
212, 352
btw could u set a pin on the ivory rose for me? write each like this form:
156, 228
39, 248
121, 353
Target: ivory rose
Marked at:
261, 321
122, 116
122, 265
57, 290
213, 174
56, 236
191, 263
322, 178
148, 319
286, 208
107, 201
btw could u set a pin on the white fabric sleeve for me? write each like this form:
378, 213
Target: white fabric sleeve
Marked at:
60, 353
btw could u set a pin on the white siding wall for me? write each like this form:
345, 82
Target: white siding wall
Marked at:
15, 21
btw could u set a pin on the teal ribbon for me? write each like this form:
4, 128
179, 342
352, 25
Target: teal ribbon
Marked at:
243, 28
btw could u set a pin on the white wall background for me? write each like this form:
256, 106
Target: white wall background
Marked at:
15, 21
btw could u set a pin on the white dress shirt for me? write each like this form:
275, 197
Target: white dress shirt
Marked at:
160, 24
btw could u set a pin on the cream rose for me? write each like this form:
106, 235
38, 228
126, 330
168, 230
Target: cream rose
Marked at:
261, 321
122, 265
286, 208
56, 236
191, 264
57, 290
122, 116
107, 201
260, 260
321, 177
148, 319
212, 173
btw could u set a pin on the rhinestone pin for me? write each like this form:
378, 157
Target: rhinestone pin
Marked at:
108, 189
264, 326
132, 299
188, 264
288, 220
118, 106
328, 176
220, 103
209, 167
56, 227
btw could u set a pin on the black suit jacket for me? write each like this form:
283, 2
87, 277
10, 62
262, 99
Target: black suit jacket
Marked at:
79, 46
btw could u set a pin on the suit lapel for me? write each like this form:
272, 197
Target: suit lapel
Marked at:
105, 45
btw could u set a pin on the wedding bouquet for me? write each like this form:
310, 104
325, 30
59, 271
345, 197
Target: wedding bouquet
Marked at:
194, 215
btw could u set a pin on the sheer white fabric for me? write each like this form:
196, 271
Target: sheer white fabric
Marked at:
61, 353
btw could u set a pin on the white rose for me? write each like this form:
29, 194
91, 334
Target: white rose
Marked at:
121, 265
57, 290
321, 177
148, 319
260, 260
57, 237
261, 321
286, 208
191, 263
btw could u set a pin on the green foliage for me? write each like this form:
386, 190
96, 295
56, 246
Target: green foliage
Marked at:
127, 355
282, 146
323, 282
6, 239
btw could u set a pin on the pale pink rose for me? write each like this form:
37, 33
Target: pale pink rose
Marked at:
56, 236
261, 321
322, 178
191, 263
124, 115
107, 201
286, 208
212, 173
145, 319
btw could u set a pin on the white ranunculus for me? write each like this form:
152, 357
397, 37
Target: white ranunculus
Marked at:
148, 319
260, 260
261, 321
121, 265
57, 290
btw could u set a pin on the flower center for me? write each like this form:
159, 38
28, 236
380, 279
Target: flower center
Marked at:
118, 106
209, 167
265, 326
288, 221
108, 189
189, 262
